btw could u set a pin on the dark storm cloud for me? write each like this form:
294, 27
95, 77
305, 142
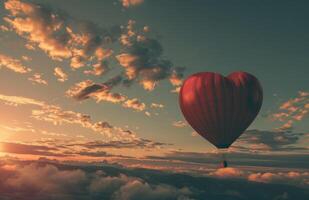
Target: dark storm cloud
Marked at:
49, 180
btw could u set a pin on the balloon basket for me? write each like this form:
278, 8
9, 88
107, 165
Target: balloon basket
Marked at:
222, 153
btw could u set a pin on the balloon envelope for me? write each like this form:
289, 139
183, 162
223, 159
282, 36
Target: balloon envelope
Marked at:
220, 108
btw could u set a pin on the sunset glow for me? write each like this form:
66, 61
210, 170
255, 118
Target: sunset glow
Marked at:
89, 99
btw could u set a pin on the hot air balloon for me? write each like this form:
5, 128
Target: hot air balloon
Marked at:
220, 108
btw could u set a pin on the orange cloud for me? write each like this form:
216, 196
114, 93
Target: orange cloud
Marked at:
101, 92
227, 172
13, 64
60, 74
134, 104
142, 59
128, 3
58, 116
294, 109
180, 124
37, 78
53, 32
156, 105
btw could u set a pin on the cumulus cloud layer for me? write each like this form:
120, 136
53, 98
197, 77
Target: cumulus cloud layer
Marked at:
51, 181
57, 181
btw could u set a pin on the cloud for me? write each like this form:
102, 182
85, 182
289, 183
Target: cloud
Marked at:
40, 26
18, 128
18, 100
16, 65
138, 189
29, 47
85, 44
258, 140
176, 90
129, 3
143, 62
37, 181
134, 104
61, 36
180, 124
227, 172
4, 28
37, 79
52, 181
299, 178
57, 116
102, 92
81, 149
60, 74
19, 148
26, 58
194, 134
139, 143
114, 137
295, 109
156, 105
45, 179
13, 64
245, 158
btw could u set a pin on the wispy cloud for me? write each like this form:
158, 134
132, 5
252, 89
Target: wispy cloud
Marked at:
156, 105
37, 79
13, 64
56, 115
19, 148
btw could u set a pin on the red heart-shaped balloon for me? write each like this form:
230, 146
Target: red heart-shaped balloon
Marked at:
220, 108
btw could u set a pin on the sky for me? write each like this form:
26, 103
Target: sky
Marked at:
94, 81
